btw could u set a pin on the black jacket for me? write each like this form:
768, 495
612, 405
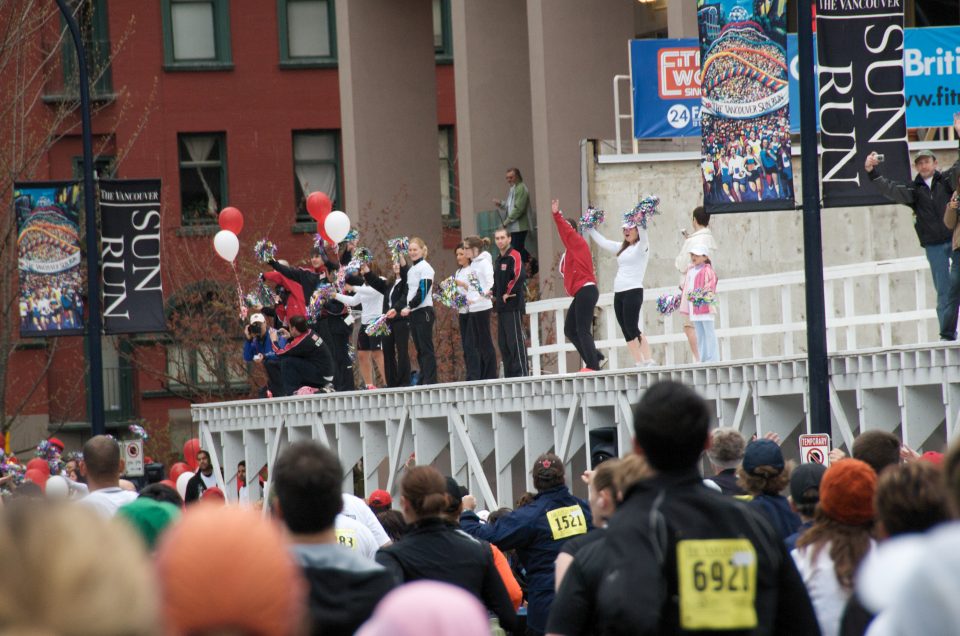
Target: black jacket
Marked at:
394, 296
928, 204
344, 588
509, 277
434, 550
628, 582
195, 488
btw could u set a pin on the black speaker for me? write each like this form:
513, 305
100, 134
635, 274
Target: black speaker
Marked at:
603, 445
153, 473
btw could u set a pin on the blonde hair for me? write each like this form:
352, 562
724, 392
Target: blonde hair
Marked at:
421, 245
476, 242
66, 569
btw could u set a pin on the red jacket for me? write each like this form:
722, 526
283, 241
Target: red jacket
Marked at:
576, 264
296, 306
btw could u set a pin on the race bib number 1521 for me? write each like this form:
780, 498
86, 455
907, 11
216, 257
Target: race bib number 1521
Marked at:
717, 584
566, 522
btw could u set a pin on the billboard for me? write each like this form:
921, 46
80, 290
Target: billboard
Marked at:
931, 61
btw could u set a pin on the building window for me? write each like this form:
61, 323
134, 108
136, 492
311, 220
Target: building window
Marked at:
448, 195
316, 166
196, 34
442, 41
307, 32
92, 18
203, 177
104, 167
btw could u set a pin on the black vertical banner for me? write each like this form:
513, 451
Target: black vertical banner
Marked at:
130, 256
862, 107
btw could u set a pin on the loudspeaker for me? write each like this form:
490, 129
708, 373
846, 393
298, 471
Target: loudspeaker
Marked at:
603, 445
153, 473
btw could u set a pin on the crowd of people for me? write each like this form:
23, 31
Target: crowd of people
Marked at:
51, 302
753, 544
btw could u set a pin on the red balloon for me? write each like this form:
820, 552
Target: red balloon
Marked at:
39, 477
323, 234
38, 463
231, 219
319, 205
168, 483
176, 470
190, 450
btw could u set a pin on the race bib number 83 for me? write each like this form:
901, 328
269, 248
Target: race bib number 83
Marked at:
566, 522
347, 538
717, 584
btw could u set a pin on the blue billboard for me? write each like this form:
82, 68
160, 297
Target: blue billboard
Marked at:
666, 82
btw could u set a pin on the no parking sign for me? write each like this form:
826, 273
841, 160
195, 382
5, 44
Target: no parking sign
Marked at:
133, 457
815, 449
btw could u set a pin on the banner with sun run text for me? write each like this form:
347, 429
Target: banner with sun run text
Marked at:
130, 256
862, 103
746, 163
48, 247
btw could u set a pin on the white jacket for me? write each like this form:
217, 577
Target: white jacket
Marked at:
370, 299
482, 266
420, 271
631, 262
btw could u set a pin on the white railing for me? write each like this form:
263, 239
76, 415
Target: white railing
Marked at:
875, 304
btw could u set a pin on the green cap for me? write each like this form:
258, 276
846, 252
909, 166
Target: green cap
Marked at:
924, 153
149, 518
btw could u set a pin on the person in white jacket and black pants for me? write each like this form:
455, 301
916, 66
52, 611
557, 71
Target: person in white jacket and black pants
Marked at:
420, 310
632, 257
369, 348
479, 309
462, 278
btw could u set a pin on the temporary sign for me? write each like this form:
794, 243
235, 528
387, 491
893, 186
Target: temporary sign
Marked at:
815, 449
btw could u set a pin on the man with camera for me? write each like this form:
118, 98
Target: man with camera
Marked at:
928, 195
257, 348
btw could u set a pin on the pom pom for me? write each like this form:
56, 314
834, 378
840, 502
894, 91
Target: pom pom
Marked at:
702, 297
448, 294
262, 296
591, 218
352, 352
318, 242
139, 431
363, 255
379, 327
265, 250
323, 293
641, 213
668, 303
352, 235
398, 247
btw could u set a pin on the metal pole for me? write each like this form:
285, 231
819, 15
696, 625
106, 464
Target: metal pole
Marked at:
94, 321
818, 378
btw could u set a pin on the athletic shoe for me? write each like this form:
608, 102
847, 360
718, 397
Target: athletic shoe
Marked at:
585, 370
647, 363
371, 387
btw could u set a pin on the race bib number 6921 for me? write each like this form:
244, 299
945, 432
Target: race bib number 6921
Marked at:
717, 582
566, 522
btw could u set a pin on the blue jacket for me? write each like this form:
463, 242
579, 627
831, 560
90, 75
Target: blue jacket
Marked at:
261, 346
530, 530
777, 511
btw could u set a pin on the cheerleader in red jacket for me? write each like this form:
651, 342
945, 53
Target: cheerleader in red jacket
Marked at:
579, 281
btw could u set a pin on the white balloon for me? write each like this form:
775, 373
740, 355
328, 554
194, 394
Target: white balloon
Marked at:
227, 245
57, 487
182, 483
337, 226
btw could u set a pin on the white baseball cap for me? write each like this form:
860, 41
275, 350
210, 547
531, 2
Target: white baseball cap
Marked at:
257, 318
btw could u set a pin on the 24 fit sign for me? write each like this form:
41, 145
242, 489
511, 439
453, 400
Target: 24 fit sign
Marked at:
862, 105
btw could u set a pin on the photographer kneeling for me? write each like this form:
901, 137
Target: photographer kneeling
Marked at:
258, 348
305, 361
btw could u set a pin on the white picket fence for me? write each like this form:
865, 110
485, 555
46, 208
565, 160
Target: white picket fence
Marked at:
874, 304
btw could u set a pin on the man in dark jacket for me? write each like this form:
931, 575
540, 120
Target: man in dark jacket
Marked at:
537, 531
509, 303
928, 195
677, 557
345, 587
202, 480
304, 361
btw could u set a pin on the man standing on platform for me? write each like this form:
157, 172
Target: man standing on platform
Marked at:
517, 208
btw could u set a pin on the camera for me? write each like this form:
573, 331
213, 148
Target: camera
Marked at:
880, 158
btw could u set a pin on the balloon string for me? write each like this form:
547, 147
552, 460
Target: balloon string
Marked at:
242, 305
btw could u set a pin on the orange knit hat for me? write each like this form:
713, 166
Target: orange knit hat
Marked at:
846, 492
226, 567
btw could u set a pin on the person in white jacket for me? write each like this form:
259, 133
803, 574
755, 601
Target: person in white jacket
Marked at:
632, 257
369, 348
702, 236
480, 308
420, 310
462, 278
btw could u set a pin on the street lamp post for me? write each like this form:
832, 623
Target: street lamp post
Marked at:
94, 321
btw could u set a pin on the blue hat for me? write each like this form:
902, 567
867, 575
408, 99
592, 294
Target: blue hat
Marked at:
762, 452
